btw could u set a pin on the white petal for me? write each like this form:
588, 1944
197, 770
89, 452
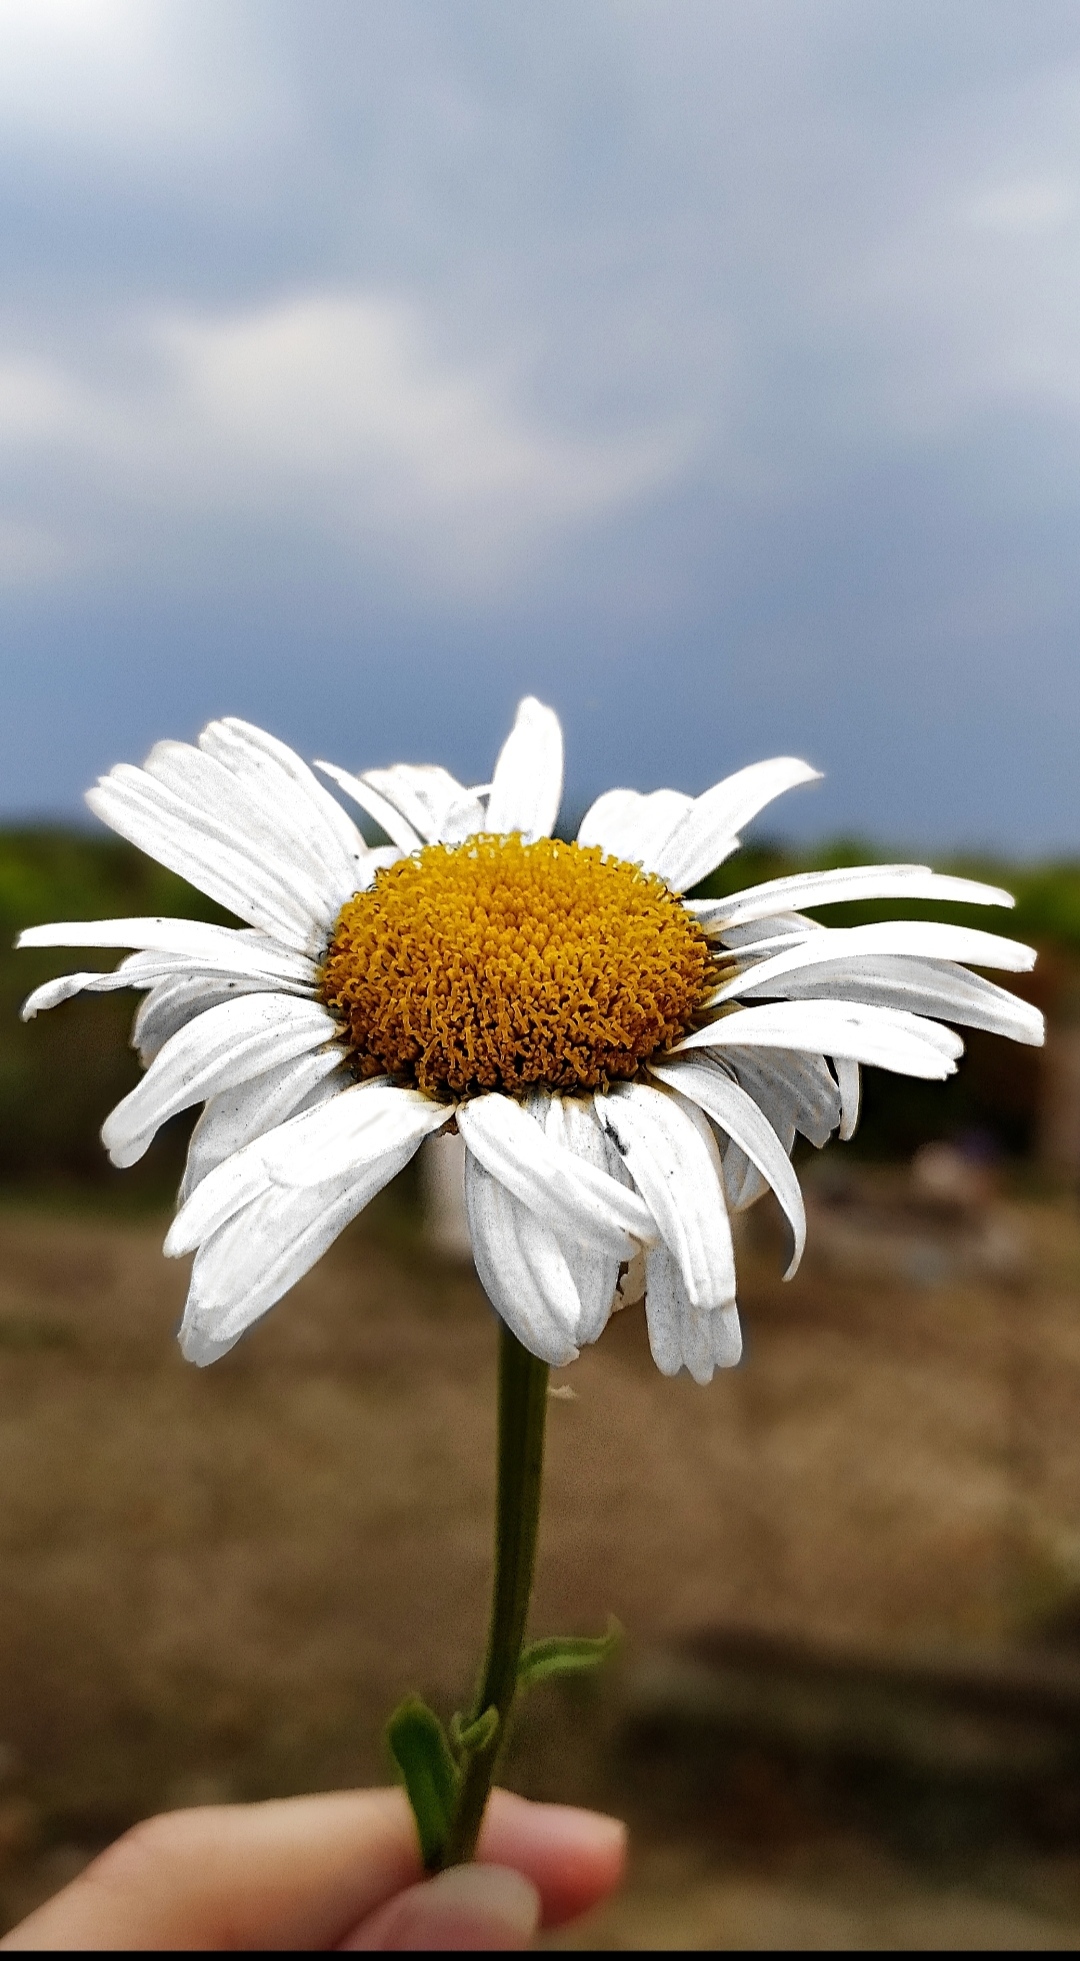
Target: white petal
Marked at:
65, 987
378, 856
522, 1268
726, 1334
664, 1294
231, 1188
207, 948
229, 867
171, 1004
796, 1092
238, 812
226, 1045
743, 1182
550, 1180
386, 815
634, 827
850, 1086
924, 938
432, 801
237, 1116
886, 1037
672, 1157
140, 970
708, 833
323, 1146
737, 1114
463, 819
605, 820
246, 1175
841, 887
283, 781
527, 782
442, 1194
571, 1123
150, 970
361, 1124
924, 987
243, 1269
682, 1335
756, 936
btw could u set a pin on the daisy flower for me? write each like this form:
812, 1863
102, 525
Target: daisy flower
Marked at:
626, 1065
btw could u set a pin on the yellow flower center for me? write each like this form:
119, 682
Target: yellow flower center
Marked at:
495, 964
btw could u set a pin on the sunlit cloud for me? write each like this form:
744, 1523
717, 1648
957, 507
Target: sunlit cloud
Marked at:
109, 77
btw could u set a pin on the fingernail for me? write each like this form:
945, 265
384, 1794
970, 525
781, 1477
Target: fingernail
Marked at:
486, 1907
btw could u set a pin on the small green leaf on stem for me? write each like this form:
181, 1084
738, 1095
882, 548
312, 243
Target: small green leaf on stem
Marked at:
422, 1754
472, 1737
565, 1654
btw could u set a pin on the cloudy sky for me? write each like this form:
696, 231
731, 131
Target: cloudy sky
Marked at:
710, 368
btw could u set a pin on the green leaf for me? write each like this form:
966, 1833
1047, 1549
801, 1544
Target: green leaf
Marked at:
565, 1654
472, 1737
422, 1754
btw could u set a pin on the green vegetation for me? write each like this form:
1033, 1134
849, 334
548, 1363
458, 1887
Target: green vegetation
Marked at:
60, 1074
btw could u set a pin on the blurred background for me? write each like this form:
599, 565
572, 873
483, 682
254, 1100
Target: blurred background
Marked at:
711, 370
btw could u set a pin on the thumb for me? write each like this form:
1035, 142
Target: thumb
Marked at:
467, 1907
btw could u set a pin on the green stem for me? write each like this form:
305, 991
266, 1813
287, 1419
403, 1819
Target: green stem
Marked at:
523, 1384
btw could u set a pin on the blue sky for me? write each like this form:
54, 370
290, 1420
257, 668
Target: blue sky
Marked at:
710, 369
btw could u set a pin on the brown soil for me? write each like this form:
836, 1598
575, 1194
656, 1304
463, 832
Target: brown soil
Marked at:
217, 1584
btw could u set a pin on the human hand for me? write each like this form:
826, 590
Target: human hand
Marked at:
339, 1871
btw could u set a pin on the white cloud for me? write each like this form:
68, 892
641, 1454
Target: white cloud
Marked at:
1029, 209
728, 327
334, 410
115, 76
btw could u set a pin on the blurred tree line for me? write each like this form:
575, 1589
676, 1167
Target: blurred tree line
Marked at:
61, 1073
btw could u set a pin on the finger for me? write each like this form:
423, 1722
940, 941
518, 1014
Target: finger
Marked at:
573, 1858
296, 1872
546, 1862
303, 1872
469, 1907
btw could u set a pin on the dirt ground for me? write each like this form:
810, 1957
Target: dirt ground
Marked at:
217, 1584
